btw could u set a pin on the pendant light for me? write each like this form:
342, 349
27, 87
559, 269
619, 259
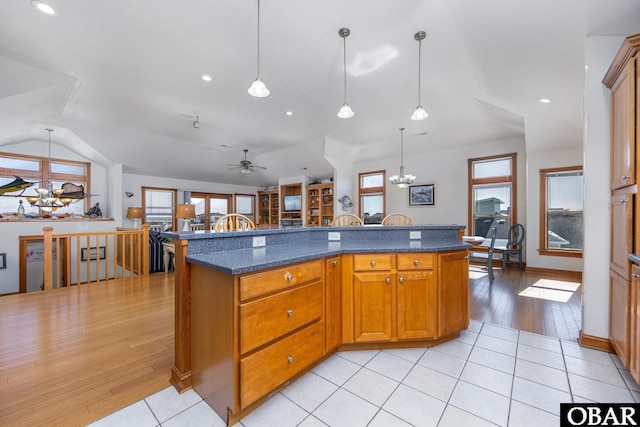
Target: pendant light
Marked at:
258, 88
345, 111
419, 113
402, 180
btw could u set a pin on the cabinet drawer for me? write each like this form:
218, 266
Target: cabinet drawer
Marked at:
268, 318
253, 285
416, 261
373, 262
263, 371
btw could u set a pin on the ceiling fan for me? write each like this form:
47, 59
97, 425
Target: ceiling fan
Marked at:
245, 165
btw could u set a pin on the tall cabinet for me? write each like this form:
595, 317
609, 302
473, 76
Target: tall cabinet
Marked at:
268, 206
623, 79
320, 204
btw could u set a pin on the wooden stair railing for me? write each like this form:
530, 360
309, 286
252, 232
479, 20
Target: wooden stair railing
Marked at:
106, 255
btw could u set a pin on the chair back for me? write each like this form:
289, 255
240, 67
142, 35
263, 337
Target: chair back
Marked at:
347, 219
233, 222
397, 219
516, 236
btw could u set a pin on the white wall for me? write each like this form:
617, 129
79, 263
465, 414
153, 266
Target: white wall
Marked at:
535, 162
134, 183
599, 53
447, 169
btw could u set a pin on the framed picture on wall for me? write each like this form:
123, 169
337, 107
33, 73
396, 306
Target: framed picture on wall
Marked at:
422, 195
92, 253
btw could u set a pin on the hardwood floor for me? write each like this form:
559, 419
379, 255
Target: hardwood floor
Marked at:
74, 355
541, 303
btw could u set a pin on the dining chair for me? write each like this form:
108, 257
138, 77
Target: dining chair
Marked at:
233, 222
347, 219
513, 247
397, 219
486, 257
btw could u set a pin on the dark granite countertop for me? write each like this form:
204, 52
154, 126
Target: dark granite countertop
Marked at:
247, 260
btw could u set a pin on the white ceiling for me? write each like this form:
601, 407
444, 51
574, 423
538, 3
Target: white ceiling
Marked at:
119, 80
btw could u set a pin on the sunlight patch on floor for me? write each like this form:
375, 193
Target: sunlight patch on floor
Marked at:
557, 284
545, 293
477, 274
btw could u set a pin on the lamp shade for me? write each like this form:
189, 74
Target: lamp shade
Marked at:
186, 211
134, 212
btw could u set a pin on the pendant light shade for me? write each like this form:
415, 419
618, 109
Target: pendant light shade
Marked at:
345, 111
419, 113
402, 180
258, 88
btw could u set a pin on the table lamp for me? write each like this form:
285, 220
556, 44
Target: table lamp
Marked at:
135, 214
186, 212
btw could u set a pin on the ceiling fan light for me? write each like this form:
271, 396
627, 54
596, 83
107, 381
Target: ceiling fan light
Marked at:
245, 170
345, 112
419, 113
258, 89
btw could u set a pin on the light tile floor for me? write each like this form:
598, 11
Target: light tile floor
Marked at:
489, 376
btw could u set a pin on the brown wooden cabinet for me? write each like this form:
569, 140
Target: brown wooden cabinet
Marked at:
268, 208
320, 204
291, 205
623, 79
453, 288
634, 326
333, 303
417, 297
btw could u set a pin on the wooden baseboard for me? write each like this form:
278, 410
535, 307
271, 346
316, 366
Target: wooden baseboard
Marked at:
181, 381
576, 275
596, 343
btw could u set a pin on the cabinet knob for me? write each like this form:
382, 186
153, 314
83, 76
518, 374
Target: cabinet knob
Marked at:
373, 263
288, 277
334, 263
416, 262
401, 279
625, 177
289, 313
635, 275
290, 359
388, 280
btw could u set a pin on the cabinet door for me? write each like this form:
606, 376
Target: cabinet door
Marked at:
372, 306
417, 305
453, 283
623, 146
333, 303
634, 341
622, 204
619, 316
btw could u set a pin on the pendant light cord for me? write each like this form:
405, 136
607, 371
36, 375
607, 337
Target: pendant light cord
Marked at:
344, 62
258, 39
401, 149
419, 68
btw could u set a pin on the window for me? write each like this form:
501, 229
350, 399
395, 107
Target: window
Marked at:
40, 170
492, 192
245, 205
210, 207
158, 205
372, 196
561, 204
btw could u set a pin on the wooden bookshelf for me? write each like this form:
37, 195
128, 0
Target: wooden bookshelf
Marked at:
319, 204
268, 208
290, 218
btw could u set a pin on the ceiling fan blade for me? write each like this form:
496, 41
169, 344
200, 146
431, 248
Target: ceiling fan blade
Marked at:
259, 167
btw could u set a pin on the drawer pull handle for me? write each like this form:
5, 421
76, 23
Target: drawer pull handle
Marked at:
373, 263
388, 280
625, 177
290, 359
401, 279
334, 263
288, 277
635, 275
416, 262
289, 313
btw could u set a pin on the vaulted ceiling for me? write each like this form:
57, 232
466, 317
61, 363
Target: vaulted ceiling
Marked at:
120, 82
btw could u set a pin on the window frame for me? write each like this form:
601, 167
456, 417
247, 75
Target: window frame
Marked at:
543, 250
207, 204
174, 222
252, 215
365, 191
44, 173
511, 179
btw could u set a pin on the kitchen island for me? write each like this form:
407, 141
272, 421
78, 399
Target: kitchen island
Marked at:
256, 309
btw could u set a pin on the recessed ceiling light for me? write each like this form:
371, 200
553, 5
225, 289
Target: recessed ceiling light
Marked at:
43, 7
206, 77
544, 100
289, 113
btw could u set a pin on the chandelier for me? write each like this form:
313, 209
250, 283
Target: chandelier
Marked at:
402, 180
